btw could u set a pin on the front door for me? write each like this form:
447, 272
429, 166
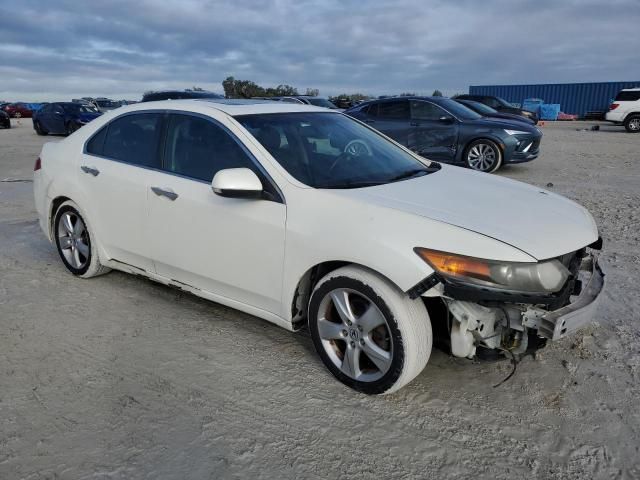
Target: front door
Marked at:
391, 117
434, 131
227, 246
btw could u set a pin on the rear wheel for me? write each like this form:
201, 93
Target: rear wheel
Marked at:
632, 123
73, 237
370, 335
483, 155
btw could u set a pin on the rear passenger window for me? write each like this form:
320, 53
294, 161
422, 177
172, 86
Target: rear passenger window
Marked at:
134, 139
96, 144
198, 148
394, 110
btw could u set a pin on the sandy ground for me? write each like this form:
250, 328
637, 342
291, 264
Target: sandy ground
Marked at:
118, 377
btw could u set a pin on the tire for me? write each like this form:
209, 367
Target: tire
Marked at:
632, 123
39, 130
483, 155
389, 340
70, 128
73, 241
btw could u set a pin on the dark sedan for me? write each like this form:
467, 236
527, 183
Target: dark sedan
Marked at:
500, 105
487, 111
5, 120
63, 117
442, 129
18, 110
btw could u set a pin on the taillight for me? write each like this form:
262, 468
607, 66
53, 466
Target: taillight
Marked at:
613, 106
38, 165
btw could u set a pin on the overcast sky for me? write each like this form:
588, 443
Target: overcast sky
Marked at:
56, 50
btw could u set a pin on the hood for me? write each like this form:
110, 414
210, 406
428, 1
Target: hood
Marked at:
511, 117
495, 122
540, 223
87, 117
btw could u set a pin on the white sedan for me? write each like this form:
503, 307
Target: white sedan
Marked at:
304, 216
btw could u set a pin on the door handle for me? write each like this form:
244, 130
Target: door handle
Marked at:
90, 170
170, 194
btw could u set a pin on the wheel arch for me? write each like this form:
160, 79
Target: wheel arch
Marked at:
299, 302
53, 208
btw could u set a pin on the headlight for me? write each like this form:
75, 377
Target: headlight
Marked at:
515, 132
541, 277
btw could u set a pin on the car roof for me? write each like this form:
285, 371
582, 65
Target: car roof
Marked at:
228, 106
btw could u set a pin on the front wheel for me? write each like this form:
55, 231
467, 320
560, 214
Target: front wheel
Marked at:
483, 155
38, 128
73, 238
71, 127
370, 335
632, 123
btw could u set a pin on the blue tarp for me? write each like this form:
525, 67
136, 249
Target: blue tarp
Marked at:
532, 105
549, 111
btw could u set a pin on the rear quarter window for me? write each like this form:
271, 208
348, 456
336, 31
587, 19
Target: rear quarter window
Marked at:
628, 96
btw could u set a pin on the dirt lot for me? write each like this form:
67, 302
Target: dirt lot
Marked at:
118, 377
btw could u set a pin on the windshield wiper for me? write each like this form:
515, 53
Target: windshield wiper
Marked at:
418, 172
351, 185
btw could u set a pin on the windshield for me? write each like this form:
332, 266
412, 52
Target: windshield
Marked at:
503, 102
329, 150
107, 103
321, 102
459, 110
479, 107
80, 108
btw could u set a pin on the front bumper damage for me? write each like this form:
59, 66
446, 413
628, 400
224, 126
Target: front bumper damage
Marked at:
508, 321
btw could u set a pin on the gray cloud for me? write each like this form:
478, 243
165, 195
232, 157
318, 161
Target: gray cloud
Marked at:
121, 48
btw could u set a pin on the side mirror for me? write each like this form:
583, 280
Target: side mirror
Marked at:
237, 183
445, 119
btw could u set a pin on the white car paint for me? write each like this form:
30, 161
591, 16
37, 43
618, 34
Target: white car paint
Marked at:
251, 255
624, 107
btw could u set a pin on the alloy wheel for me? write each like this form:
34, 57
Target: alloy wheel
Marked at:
482, 157
634, 124
73, 240
355, 335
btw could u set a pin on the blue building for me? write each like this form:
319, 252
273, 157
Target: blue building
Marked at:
575, 98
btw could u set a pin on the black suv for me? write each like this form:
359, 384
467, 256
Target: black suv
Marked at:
500, 105
442, 129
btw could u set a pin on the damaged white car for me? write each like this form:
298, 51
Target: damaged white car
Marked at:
304, 216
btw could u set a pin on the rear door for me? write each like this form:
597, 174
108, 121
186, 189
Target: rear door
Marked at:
55, 119
391, 118
231, 247
113, 174
434, 132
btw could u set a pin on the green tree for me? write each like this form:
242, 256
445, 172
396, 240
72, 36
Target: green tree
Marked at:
436, 93
312, 92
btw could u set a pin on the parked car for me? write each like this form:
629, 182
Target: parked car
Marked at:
305, 100
63, 117
5, 120
105, 104
300, 215
18, 110
178, 94
625, 110
500, 105
487, 111
442, 129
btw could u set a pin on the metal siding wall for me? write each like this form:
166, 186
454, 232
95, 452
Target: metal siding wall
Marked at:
576, 98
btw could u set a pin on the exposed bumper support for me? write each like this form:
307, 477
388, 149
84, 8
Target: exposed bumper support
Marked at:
559, 323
